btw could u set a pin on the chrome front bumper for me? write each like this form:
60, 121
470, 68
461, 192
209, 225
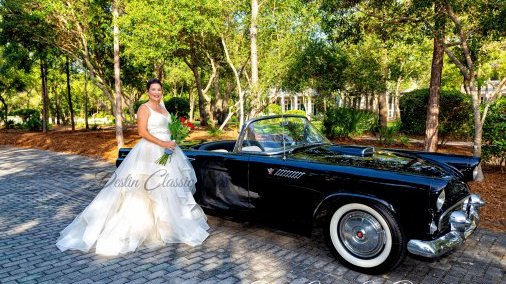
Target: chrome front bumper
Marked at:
462, 223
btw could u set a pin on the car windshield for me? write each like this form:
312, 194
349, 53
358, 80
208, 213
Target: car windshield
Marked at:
280, 134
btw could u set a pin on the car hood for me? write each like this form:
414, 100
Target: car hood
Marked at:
367, 157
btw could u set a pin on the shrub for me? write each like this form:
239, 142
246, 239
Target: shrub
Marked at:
345, 122
494, 137
273, 109
10, 124
26, 113
404, 140
33, 123
180, 107
455, 113
296, 111
215, 131
387, 135
137, 104
31, 118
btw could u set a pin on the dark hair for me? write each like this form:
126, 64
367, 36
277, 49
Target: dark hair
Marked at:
153, 81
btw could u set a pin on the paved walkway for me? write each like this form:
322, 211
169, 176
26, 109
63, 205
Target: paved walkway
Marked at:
41, 192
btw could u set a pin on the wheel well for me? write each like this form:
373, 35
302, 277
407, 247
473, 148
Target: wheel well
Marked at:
334, 201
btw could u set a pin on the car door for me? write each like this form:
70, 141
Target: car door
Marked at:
283, 189
222, 180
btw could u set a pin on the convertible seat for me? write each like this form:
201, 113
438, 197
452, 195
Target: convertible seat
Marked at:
251, 149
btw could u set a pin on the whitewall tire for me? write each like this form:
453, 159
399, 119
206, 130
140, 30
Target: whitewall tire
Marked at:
365, 237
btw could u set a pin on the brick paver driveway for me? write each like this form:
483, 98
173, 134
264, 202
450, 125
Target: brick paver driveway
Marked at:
41, 192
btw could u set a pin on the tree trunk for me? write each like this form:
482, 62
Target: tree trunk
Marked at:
6, 109
96, 76
238, 84
43, 75
432, 123
226, 98
57, 108
479, 119
254, 55
117, 78
52, 110
198, 83
477, 140
158, 71
382, 97
86, 125
397, 98
218, 104
478, 125
69, 96
129, 102
192, 105
383, 110
207, 98
202, 100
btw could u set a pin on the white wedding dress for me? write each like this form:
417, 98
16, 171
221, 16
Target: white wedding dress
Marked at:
143, 203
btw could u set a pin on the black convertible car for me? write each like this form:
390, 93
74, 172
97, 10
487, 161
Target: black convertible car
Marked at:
375, 205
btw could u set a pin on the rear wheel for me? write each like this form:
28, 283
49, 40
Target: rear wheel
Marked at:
365, 237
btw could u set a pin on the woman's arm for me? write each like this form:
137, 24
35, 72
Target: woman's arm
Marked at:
142, 128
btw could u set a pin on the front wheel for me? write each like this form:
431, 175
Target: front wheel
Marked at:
365, 237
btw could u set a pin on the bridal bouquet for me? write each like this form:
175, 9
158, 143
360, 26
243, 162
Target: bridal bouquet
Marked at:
179, 130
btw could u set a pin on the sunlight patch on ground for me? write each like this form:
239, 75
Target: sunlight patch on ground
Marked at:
22, 227
8, 172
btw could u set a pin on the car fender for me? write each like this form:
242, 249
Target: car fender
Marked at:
339, 198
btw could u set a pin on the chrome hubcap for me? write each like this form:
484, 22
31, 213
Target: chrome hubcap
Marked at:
361, 234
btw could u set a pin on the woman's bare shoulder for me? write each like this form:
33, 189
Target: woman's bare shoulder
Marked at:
143, 110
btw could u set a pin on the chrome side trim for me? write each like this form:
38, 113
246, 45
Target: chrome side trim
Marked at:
288, 174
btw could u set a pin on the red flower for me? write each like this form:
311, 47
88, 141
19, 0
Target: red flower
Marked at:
189, 124
182, 119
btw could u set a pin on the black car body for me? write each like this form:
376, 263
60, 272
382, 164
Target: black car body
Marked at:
375, 205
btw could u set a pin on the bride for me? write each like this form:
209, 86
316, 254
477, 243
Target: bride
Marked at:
143, 203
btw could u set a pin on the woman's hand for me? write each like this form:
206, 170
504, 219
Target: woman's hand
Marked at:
168, 144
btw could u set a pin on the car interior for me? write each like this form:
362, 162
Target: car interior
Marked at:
218, 146
228, 146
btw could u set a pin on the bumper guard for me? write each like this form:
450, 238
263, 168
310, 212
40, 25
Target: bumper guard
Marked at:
462, 223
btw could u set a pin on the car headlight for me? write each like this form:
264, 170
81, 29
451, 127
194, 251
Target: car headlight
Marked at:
440, 200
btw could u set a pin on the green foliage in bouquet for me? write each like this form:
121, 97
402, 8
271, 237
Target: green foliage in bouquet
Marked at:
179, 128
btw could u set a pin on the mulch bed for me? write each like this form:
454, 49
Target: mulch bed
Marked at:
102, 144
